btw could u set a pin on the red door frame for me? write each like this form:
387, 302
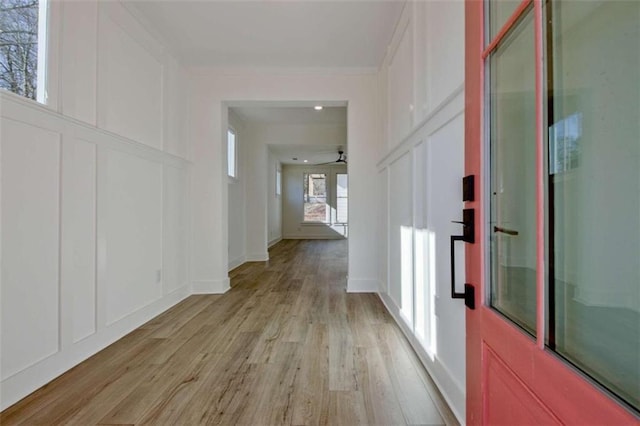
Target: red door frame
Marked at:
535, 378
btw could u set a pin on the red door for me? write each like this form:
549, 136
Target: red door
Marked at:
552, 138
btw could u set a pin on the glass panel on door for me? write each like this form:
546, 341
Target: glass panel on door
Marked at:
499, 13
594, 190
513, 176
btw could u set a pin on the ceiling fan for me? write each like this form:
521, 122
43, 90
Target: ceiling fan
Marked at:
342, 158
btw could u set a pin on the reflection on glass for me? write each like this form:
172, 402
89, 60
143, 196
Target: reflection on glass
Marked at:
594, 191
499, 12
513, 176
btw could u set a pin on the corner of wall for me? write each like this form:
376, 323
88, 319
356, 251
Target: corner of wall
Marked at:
274, 241
362, 286
234, 263
211, 286
257, 257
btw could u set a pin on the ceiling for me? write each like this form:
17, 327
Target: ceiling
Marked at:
274, 33
314, 154
293, 115
302, 114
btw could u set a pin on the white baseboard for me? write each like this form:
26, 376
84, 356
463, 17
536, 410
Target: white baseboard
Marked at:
314, 237
237, 262
453, 392
21, 384
257, 257
362, 285
274, 241
210, 286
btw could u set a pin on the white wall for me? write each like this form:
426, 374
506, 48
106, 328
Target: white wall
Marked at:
211, 91
264, 135
293, 206
421, 109
237, 203
94, 197
274, 201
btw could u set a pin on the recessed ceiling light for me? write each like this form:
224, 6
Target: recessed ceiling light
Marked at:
306, 161
318, 107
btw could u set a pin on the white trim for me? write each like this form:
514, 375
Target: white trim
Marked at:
18, 108
402, 24
447, 111
362, 285
313, 237
28, 380
230, 129
274, 241
251, 71
211, 286
257, 257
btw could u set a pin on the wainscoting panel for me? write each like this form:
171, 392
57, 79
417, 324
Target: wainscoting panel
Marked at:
133, 234
30, 245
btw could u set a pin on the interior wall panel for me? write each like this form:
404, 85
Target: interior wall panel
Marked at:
130, 86
445, 169
174, 104
133, 234
30, 176
175, 228
78, 238
401, 235
400, 89
78, 77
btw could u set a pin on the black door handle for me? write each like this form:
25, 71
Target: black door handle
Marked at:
469, 291
505, 231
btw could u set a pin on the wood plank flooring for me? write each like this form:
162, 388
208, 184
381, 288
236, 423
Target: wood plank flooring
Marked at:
285, 346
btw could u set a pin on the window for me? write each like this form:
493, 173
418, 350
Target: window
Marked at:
231, 154
592, 182
342, 197
315, 197
513, 164
278, 182
21, 34
594, 191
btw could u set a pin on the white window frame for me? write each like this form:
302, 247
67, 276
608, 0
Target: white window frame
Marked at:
336, 174
49, 18
327, 184
233, 177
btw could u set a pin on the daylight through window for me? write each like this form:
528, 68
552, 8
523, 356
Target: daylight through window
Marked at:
231, 154
19, 47
315, 197
342, 197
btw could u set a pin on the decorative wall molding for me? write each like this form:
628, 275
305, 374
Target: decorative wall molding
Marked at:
444, 113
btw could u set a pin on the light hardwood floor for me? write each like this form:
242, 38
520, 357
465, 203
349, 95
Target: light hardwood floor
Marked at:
285, 346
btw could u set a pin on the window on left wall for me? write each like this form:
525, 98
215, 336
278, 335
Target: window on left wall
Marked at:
231, 154
22, 42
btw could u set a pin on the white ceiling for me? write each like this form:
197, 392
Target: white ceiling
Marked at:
314, 154
293, 115
275, 33
302, 114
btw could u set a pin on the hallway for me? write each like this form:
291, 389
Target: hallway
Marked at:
287, 345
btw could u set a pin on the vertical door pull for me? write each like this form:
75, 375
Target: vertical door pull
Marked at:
468, 236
